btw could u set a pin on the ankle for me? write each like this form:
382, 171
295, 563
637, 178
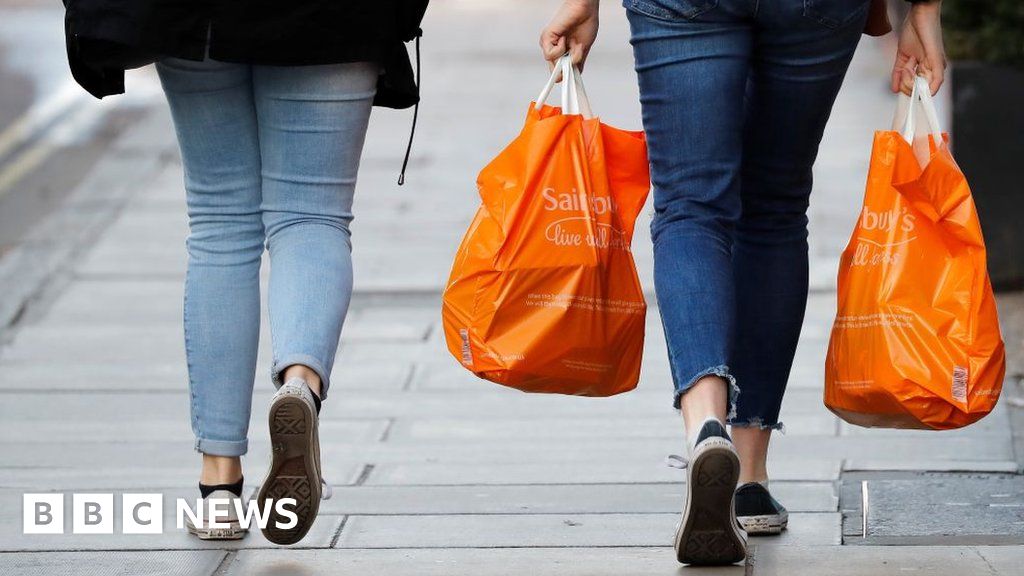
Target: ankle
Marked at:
205, 490
220, 470
693, 429
707, 398
306, 374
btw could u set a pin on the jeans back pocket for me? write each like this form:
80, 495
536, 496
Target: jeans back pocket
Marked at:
672, 10
835, 13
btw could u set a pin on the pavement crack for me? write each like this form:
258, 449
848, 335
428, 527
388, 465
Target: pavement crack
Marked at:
386, 433
410, 377
364, 474
337, 533
225, 564
991, 568
748, 565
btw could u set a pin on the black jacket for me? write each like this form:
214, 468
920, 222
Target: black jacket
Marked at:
107, 37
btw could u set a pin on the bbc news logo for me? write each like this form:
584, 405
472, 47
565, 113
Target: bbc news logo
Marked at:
144, 513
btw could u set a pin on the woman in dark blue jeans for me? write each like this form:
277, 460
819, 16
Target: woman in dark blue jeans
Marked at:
736, 95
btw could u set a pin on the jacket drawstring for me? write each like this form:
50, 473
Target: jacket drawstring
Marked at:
415, 111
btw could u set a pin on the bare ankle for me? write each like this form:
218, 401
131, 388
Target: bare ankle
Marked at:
306, 373
752, 445
707, 398
220, 470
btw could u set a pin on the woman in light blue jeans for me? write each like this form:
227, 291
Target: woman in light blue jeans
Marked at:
270, 156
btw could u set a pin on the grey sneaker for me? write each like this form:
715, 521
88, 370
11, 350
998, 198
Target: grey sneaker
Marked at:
709, 533
232, 531
295, 467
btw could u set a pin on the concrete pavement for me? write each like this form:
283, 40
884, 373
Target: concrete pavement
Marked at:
436, 472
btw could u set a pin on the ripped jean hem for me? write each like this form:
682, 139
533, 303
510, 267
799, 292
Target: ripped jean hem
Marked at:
756, 422
722, 371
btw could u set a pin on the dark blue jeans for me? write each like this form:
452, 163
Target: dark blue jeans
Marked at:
735, 96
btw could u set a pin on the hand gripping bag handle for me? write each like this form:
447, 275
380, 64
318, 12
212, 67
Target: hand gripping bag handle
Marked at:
905, 120
574, 97
939, 207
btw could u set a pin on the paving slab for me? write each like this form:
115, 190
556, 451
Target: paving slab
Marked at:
654, 449
154, 473
47, 431
950, 509
157, 304
929, 465
489, 399
570, 530
112, 563
880, 560
1002, 559
894, 449
603, 470
649, 453
138, 344
145, 244
445, 374
470, 562
119, 301
666, 425
549, 499
170, 375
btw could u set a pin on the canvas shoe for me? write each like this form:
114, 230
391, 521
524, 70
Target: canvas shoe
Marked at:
758, 512
709, 533
228, 526
295, 465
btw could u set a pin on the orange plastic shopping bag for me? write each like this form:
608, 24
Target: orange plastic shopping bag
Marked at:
544, 295
916, 340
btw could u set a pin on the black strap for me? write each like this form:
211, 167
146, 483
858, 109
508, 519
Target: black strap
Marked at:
415, 111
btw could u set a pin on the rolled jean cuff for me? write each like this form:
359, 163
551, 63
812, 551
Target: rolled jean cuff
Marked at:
722, 371
756, 422
227, 448
277, 372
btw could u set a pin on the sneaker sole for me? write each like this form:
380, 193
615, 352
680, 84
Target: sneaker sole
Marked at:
293, 470
708, 534
766, 524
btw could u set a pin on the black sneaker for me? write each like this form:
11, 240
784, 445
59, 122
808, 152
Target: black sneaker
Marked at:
758, 512
709, 533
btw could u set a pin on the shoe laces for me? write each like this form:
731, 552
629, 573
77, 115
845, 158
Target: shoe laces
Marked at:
677, 462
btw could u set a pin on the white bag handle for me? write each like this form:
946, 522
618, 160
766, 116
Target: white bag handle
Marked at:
574, 97
905, 119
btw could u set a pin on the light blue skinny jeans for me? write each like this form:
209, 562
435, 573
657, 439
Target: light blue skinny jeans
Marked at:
270, 157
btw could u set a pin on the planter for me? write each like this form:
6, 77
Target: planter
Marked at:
988, 142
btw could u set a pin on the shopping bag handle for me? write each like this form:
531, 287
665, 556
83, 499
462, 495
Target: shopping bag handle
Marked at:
905, 119
574, 96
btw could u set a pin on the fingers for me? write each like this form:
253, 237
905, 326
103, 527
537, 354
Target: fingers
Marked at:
907, 82
903, 73
935, 73
578, 53
552, 45
902, 81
